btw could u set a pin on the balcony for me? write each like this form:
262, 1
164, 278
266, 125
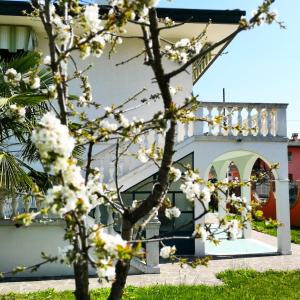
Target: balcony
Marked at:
241, 122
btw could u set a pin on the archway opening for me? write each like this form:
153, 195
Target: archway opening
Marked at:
263, 190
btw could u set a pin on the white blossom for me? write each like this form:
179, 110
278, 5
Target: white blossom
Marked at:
172, 90
104, 124
106, 272
112, 241
36, 83
20, 111
183, 43
124, 121
47, 60
175, 174
63, 253
91, 15
52, 137
167, 251
12, 77
172, 213
142, 156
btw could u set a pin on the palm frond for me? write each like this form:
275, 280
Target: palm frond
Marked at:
12, 176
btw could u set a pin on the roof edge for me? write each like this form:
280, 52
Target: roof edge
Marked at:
16, 8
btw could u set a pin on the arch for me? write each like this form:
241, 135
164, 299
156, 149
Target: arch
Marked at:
235, 156
221, 154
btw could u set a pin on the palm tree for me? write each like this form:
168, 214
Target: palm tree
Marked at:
16, 150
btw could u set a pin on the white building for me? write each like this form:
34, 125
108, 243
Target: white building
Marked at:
201, 145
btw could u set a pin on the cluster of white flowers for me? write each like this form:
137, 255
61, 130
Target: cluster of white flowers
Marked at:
112, 242
195, 190
167, 251
173, 91
91, 16
18, 111
235, 198
143, 155
12, 77
61, 30
51, 137
183, 50
107, 271
124, 121
200, 233
175, 174
32, 80
55, 146
107, 247
64, 253
172, 213
50, 91
107, 126
47, 60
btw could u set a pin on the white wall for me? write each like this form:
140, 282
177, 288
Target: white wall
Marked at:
113, 85
23, 247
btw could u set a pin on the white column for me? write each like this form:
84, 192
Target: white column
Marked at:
152, 249
221, 169
199, 244
283, 216
246, 193
281, 123
201, 162
199, 125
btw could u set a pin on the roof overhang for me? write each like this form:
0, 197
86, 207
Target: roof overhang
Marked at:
223, 23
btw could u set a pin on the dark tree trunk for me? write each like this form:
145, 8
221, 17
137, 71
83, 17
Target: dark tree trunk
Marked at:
122, 267
117, 289
81, 272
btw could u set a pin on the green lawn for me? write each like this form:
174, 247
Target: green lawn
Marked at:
261, 226
242, 284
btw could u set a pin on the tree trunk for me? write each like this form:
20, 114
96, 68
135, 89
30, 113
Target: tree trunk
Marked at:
81, 272
122, 267
117, 289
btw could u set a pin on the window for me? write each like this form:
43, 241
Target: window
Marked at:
174, 227
289, 156
15, 40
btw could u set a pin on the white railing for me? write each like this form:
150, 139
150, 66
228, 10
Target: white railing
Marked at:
243, 119
259, 121
11, 206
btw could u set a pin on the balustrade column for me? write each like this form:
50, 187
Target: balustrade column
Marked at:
281, 124
220, 112
259, 121
269, 121
240, 120
209, 116
199, 125
249, 120
229, 120
14, 205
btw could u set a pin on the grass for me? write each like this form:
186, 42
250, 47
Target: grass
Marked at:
262, 227
242, 285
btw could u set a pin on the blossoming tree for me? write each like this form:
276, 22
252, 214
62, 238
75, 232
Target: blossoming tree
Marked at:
77, 191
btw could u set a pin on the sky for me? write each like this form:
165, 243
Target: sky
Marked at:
262, 65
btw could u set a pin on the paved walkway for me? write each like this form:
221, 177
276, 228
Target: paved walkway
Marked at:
173, 274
